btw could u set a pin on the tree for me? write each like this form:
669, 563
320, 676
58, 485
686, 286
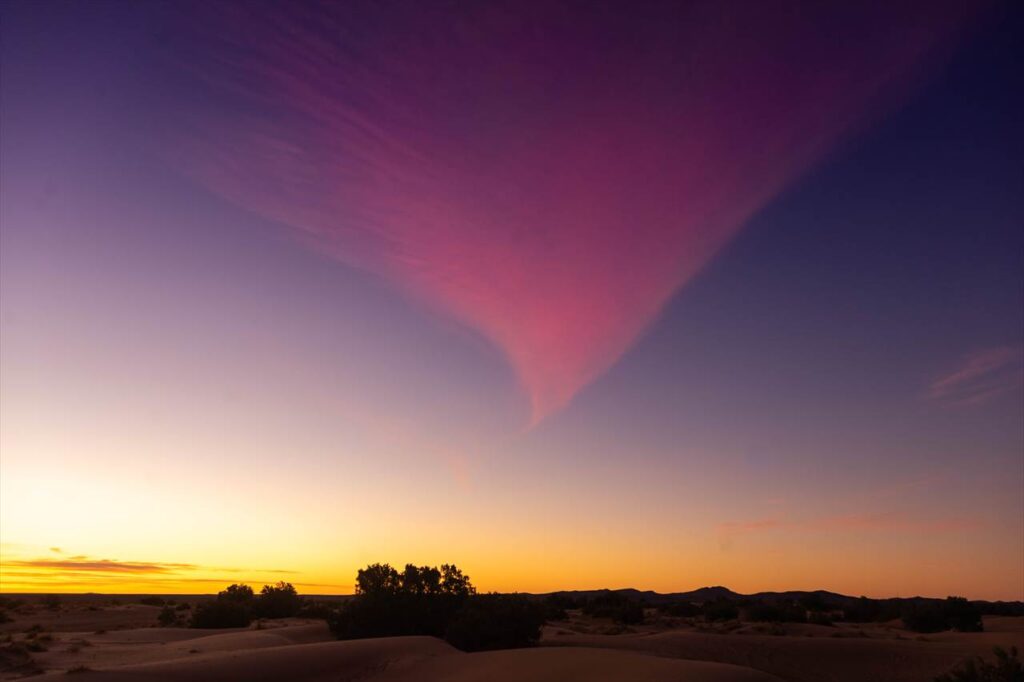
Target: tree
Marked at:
238, 593
377, 579
425, 600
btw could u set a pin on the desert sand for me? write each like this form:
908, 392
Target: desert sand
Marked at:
119, 643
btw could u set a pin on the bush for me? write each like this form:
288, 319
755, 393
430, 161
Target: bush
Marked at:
316, 609
232, 608
1007, 668
152, 601
927, 617
556, 606
720, 609
278, 601
167, 617
955, 613
681, 609
819, 618
775, 612
221, 613
962, 616
616, 606
496, 621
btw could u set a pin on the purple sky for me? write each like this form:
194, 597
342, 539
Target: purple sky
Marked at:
668, 292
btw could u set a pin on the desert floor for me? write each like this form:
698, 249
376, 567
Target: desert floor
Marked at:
119, 642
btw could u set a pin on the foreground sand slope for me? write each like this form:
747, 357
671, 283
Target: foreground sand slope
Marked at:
553, 664
815, 659
419, 659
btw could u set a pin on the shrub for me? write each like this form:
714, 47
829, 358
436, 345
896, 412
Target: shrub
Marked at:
167, 617
775, 612
819, 618
1007, 668
278, 601
961, 615
954, 613
681, 609
720, 609
221, 613
615, 605
232, 608
152, 601
496, 621
556, 606
924, 617
316, 609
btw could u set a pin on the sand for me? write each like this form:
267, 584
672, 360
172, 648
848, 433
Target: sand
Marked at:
304, 651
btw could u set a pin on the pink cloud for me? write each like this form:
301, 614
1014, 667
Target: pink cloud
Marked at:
982, 376
548, 178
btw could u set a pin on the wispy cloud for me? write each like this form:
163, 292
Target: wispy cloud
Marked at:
414, 165
981, 376
85, 565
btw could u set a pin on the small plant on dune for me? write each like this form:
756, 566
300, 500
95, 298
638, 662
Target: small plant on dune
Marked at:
167, 617
78, 669
1006, 668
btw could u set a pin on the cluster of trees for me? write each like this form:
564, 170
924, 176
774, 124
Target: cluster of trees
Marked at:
237, 606
955, 613
426, 600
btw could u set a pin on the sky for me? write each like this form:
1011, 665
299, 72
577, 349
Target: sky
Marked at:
573, 295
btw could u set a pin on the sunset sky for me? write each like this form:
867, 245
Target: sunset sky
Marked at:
573, 295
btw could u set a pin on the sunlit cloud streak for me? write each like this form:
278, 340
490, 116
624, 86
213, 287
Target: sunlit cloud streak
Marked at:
548, 174
84, 564
984, 375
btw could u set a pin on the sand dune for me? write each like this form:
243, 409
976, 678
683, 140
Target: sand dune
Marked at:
409, 659
880, 657
304, 651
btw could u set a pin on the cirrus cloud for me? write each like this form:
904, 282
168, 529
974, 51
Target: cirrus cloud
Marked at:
549, 176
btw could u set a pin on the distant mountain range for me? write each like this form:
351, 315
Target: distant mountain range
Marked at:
717, 592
